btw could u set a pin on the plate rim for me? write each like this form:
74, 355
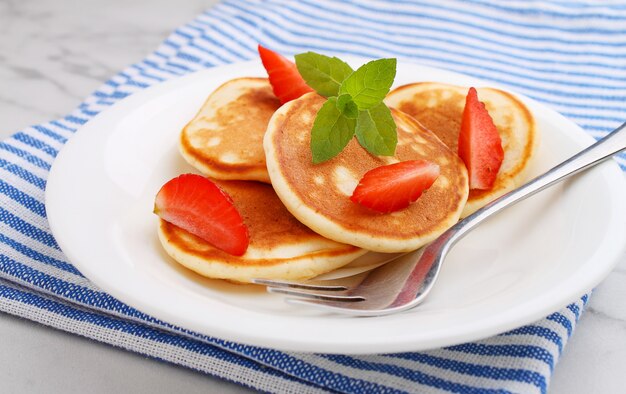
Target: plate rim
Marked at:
396, 344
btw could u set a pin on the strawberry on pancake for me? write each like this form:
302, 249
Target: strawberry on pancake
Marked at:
319, 194
272, 245
439, 108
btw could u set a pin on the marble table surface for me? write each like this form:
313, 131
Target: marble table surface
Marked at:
54, 53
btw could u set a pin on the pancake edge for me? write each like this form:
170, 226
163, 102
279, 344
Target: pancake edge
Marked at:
255, 174
299, 268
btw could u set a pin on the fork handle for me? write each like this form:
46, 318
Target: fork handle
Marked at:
608, 146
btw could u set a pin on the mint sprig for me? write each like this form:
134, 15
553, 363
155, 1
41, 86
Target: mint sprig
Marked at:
323, 73
369, 85
332, 130
376, 130
354, 106
346, 105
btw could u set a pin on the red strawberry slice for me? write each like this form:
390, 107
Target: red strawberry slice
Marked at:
480, 146
393, 187
197, 205
285, 79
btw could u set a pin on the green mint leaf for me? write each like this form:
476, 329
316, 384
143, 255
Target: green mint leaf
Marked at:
346, 105
376, 131
369, 85
331, 132
323, 73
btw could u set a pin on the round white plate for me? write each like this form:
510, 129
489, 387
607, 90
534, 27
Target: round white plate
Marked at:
521, 265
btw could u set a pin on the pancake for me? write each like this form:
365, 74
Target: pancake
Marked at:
439, 108
280, 246
318, 194
225, 139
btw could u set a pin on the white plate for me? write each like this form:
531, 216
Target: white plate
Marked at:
521, 265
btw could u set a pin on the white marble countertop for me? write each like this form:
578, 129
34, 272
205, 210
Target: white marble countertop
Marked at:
53, 54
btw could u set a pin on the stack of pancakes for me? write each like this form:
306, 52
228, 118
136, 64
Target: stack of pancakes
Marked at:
304, 224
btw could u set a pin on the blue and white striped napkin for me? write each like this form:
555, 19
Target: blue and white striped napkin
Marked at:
569, 55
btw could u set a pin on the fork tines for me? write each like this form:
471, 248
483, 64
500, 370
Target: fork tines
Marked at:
294, 285
289, 288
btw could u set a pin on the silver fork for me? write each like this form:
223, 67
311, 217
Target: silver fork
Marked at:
406, 281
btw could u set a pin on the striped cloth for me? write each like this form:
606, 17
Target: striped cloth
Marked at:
568, 55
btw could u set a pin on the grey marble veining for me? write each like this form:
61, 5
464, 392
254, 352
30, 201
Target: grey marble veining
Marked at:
52, 55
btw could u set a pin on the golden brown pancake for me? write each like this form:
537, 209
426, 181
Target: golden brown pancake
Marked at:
318, 194
225, 139
439, 108
280, 246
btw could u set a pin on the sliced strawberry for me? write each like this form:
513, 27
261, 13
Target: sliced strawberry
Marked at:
197, 205
480, 146
285, 79
393, 187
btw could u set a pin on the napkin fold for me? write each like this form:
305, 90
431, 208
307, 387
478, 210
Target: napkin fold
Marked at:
570, 56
